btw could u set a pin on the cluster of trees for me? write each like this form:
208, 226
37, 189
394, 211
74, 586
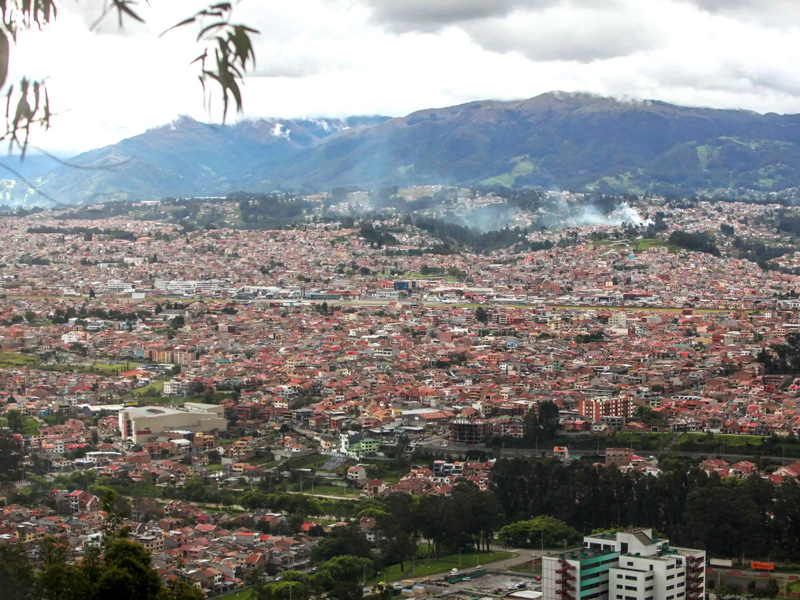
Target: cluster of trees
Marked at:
529, 199
122, 572
699, 241
10, 455
472, 238
592, 337
87, 232
466, 520
376, 237
788, 222
757, 251
783, 357
337, 578
732, 518
541, 245
30, 260
540, 425
541, 532
269, 211
61, 315
15, 420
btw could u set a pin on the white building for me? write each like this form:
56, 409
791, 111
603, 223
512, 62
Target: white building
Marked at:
139, 424
115, 286
72, 337
630, 565
618, 319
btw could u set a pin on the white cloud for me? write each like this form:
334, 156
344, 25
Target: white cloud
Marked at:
570, 34
345, 57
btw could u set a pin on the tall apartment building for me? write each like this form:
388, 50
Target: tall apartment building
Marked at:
469, 431
630, 565
595, 409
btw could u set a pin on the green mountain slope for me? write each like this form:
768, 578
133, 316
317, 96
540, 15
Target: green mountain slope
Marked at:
555, 141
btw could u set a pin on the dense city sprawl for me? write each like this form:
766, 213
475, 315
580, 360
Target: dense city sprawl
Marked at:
294, 409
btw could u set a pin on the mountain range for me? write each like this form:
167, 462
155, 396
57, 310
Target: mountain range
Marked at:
554, 141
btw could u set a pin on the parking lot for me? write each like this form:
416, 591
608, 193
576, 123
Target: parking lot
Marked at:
491, 584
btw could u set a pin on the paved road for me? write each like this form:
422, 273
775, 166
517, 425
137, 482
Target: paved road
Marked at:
330, 497
521, 555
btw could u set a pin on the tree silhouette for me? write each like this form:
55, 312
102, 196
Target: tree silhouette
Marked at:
226, 56
15, 420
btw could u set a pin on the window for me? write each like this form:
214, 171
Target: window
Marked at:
590, 586
671, 587
648, 588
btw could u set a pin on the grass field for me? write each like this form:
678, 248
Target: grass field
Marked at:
31, 426
430, 566
331, 490
635, 245
642, 442
150, 388
238, 595
105, 369
716, 439
737, 444
15, 360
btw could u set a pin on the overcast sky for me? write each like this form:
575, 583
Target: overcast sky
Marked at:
391, 57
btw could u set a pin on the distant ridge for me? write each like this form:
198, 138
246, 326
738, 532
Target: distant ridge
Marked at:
556, 140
